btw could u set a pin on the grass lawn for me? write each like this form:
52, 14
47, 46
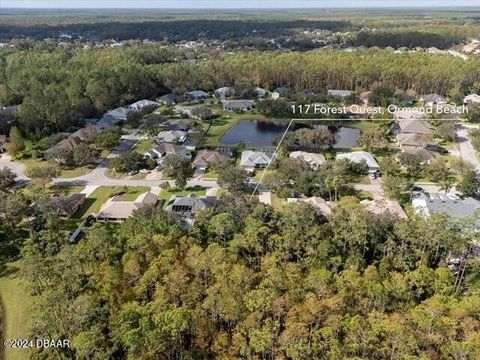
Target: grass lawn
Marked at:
103, 193
65, 173
15, 309
222, 124
210, 175
277, 202
196, 190
144, 145
259, 173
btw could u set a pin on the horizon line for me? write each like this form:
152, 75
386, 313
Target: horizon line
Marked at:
249, 8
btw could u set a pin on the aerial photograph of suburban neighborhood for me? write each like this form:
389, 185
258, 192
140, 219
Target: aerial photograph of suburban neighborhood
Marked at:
274, 180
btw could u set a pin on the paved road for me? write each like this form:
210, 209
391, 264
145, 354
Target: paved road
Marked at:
467, 152
17, 167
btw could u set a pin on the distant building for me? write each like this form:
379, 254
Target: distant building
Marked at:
415, 126
116, 209
359, 157
168, 99
144, 104
313, 159
252, 160
426, 155
239, 105
433, 99
279, 92
339, 94
224, 92
113, 117
197, 95
261, 93
472, 98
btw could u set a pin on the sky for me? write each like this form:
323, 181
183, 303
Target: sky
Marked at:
228, 4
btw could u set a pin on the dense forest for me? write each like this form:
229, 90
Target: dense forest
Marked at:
251, 282
59, 88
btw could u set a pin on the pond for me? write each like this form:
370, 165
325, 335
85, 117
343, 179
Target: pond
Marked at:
265, 133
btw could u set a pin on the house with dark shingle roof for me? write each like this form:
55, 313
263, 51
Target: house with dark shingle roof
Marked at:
188, 206
205, 158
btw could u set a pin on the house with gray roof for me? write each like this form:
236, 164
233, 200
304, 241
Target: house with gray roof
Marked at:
313, 159
238, 105
339, 94
359, 157
188, 206
252, 160
433, 99
165, 149
428, 204
415, 126
144, 104
172, 136
168, 99
113, 117
197, 95
224, 92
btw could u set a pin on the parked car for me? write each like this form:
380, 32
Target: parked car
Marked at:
133, 172
145, 171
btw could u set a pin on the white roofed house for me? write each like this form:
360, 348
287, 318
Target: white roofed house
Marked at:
472, 98
168, 99
360, 157
313, 159
261, 93
433, 99
197, 95
252, 160
339, 94
144, 104
224, 92
116, 209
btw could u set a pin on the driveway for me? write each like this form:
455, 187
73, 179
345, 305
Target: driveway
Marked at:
16, 166
466, 150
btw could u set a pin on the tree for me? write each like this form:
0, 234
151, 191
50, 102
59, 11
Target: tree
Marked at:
61, 155
412, 162
7, 178
16, 141
43, 174
130, 160
469, 184
178, 168
396, 187
309, 140
84, 155
446, 130
233, 178
108, 139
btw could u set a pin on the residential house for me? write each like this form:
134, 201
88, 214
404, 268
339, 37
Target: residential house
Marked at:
238, 105
165, 149
433, 99
188, 206
428, 204
313, 159
324, 206
279, 92
67, 144
359, 157
168, 99
88, 133
224, 92
205, 158
252, 160
415, 126
383, 206
423, 153
339, 94
472, 98
197, 95
144, 104
365, 97
66, 206
172, 136
261, 93
116, 209
415, 140
113, 117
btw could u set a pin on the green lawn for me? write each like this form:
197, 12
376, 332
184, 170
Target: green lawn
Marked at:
144, 145
210, 175
94, 202
197, 191
65, 173
15, 309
